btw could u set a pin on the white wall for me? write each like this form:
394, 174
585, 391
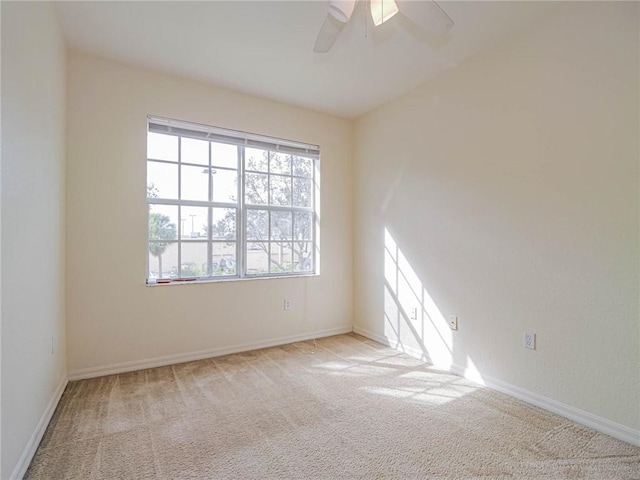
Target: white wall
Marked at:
33, 267
112, 316
510, 185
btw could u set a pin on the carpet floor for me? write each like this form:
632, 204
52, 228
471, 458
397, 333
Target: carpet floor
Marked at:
345, 408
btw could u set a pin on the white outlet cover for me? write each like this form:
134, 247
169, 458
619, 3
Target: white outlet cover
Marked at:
530, 340
453, 322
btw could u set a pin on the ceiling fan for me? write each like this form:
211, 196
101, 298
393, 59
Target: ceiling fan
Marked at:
426, 14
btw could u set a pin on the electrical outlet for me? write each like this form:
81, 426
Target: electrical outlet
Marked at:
414, 313
530, 340
453, 322
287, 304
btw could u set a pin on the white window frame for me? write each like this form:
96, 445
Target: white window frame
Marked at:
242, 140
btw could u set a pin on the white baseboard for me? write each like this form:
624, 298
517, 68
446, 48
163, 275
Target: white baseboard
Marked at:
412, 352
198, 355
371, 335
587, 419
36, 436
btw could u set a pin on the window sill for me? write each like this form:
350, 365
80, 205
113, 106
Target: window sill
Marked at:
233, 279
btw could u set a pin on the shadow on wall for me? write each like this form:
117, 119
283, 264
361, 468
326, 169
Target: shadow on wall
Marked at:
413, 323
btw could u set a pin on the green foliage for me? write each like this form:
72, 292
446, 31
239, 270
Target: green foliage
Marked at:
160, 228
225, 228
191, 270
224, 267
152, 190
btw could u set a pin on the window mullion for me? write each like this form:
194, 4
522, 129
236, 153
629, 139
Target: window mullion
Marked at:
180, 206
148, 241
190, 203
210, 219
241, 224
314, 217
293, 241
269, 212
293, 216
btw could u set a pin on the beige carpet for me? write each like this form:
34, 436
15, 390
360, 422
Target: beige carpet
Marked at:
349, 408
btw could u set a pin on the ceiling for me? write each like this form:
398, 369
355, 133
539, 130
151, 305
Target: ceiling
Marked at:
265, 47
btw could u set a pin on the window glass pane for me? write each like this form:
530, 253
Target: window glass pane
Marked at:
162, 147
302, 166
302, 192
163, 260
224, 259
223, 155
257, 226
280, 190
194, 221
194, 151
280, 225
194, 183
224, 224
281, 257
162, 180
280, 163
255, 159
194, 239
303, 226
193, 259
163, 222
257, 258
255, 188
303, 257
225, 185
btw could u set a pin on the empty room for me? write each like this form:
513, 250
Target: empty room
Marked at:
320, 239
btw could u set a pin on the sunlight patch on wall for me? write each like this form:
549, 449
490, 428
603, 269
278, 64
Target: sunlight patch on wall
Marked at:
413, 321
472, 373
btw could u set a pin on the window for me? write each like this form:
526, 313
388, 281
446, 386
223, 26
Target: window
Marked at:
226, 204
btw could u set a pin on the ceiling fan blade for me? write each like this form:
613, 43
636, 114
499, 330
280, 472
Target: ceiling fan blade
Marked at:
327, 35
340, 12
427, 15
